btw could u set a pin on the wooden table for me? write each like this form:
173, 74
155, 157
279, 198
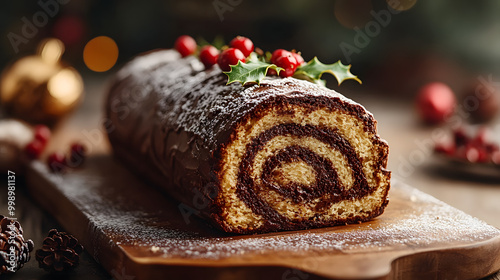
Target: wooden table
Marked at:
410, 160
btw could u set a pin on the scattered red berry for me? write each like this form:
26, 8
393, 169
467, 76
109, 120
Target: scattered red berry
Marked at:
476, 149
209, 55
56, 162
448, 150
228, 57
481, 137
475, 154
34, 148
435, 102
243, 44
279, 53
299, 58
77, 155
495, 157
288, 63
185, 45
42, 133
460, 137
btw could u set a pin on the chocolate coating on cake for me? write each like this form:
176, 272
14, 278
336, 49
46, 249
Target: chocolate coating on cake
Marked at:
178, 124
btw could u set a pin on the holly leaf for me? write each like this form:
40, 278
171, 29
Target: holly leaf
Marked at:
314, 69
252, 71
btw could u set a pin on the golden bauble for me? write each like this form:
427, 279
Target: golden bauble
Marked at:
41, 88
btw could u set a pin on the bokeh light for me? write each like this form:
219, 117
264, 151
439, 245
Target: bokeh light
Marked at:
51, 50
401, 5
100, 54
66, 86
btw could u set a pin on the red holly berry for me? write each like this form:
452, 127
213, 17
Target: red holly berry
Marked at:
42, 133
495, 157
56, 162
481, 138
279, 53
435, 102
299, 58
460, 137
271, 72
288, 63
492, 148
185, 45
228, 57
476, 154
243, 44
209, 55
445, 149
34, 148
77, 155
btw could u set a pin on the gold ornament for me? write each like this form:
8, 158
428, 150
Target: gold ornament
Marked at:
40, 88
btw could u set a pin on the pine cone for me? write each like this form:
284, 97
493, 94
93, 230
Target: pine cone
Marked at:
14, 250
60, 252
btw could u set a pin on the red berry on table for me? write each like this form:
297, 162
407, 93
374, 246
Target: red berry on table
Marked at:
77, 155
484, 156
229, 57
185, 45
481, 138
299, 58
482, 101
495, 157
435, 102
460, 137
243, 44
56, 162
289, 65
445, 149
279, 53
209, 55
34, 148
476, 154
492, 148
42, 133
471, 153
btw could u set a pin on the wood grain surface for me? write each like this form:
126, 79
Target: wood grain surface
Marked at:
136, 232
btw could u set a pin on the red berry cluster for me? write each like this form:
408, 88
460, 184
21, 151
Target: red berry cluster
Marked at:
57, 161
289, 61
40, 139
239, 49
476, 149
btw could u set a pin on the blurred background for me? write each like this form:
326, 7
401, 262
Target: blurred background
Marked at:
443, 137
419, 40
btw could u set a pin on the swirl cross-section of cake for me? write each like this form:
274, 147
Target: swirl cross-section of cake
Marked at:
283, 155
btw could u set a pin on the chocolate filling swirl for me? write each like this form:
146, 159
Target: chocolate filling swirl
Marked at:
327, 186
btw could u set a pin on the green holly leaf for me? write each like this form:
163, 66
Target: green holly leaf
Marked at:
314, 69
253, 71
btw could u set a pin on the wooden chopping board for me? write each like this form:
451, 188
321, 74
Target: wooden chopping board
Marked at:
136, 232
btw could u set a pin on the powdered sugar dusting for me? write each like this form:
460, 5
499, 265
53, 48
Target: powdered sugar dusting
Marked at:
184, 97
136, 216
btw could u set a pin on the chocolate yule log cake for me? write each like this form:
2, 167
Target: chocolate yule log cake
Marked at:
283, 155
